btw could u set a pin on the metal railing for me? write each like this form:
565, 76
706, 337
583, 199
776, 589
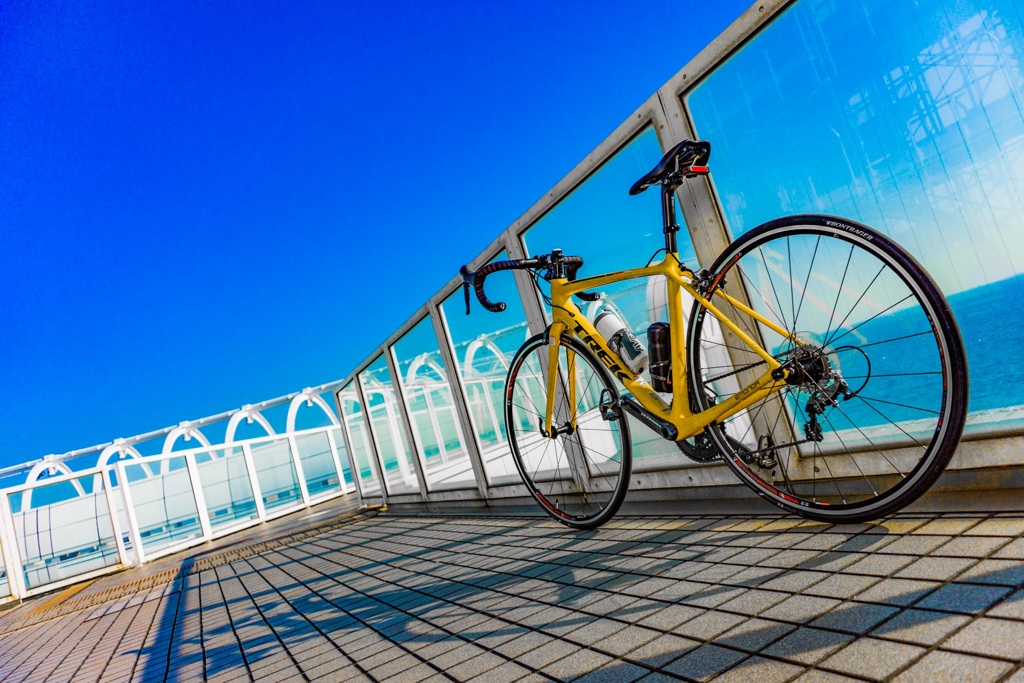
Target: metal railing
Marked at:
74, 527
418, 422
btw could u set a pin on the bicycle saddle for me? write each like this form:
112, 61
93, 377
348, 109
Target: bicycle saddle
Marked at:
685, 160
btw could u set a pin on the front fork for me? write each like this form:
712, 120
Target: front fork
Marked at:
547, 427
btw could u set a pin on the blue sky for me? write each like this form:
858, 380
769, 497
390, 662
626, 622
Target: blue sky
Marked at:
211, 204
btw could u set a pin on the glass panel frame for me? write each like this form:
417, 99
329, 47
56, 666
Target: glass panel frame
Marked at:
318, 468
163, 520
363, 454
482, 355
227, 490
920, 137
338, 435
431, 409
275, 473
83, 541
388, 429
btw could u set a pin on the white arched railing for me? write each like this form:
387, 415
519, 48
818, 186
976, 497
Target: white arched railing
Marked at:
309, 397
250, 415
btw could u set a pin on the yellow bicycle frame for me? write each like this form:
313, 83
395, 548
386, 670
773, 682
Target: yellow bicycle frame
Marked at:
568, 318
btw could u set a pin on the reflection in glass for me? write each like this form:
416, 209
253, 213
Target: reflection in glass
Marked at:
63, 530
921, 137
432, 409
359, 436
317, 464
164, 504
276, 473
227, 490
483, 343
613, 231
386, 420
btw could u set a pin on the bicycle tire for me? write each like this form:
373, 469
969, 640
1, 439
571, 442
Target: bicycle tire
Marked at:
818, 448
580, 476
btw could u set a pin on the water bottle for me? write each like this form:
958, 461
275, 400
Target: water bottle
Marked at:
659, 341
621, 340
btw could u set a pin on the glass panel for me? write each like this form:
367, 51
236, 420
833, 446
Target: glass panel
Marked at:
920, 136
63, 530
226, 486
428, 396
396, 460
613, 231
276, 473
317, 463
346, 470
165, 506
359, 435
483, 345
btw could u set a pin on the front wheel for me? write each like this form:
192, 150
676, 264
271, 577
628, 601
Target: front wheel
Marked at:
579, 469
875, 398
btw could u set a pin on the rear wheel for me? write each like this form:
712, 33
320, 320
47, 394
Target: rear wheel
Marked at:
580, 473
876, 395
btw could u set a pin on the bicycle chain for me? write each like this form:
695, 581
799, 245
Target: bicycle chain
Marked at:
759, 451
734, 372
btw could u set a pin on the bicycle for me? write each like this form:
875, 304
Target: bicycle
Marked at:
824, 367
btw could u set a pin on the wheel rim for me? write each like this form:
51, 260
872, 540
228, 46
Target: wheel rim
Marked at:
867, 398
577, 476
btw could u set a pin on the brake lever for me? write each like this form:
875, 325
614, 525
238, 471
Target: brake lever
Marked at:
467, 275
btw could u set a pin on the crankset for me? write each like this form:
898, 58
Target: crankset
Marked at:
702, 449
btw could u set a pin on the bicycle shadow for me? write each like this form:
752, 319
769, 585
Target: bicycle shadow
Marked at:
398, 587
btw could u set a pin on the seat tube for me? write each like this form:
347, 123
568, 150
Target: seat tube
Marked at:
677, 324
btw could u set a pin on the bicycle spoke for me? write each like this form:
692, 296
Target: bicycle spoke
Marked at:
898, 405
867, 359
896, 339
768, 274
579, 472
839, 291
863, 322
803, 291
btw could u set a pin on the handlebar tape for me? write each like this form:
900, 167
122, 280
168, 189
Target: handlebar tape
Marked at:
572, 264
477, 279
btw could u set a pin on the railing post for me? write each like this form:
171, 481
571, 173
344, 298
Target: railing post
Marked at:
403, 416
337, 460
350, 452
129, 510
375, 455
115, 524
293, 448
458, 392
197, 494
254, 482
12, 555
536, 318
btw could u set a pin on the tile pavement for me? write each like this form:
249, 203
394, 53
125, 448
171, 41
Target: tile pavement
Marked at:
418, 598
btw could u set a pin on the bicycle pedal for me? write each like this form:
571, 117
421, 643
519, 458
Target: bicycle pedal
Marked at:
608, 406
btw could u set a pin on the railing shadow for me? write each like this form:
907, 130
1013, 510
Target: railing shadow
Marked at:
400, 586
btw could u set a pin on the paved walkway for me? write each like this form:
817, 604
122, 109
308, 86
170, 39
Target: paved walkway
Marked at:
416, 598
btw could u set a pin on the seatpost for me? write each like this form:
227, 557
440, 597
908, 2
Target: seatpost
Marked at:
668, 214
